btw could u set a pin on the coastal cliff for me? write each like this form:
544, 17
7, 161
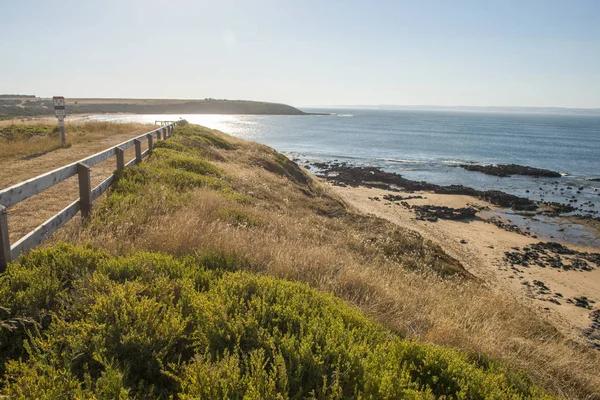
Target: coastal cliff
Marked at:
220, 268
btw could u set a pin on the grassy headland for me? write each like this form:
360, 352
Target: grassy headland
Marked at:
27, 106
190, 280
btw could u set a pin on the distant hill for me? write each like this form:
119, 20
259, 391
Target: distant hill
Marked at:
12, 96
15, 105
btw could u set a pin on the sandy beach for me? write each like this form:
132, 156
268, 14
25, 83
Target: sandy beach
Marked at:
480, 246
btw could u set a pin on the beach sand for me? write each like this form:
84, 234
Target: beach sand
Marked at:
482, 252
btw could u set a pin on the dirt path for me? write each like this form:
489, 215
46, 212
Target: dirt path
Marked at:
481, 247
28, 214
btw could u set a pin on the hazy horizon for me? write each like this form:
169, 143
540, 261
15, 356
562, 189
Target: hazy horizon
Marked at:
432, 53
358, 106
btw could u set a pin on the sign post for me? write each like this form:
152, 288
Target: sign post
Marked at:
60, 112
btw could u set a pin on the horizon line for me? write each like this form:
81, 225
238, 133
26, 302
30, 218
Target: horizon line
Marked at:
447, 106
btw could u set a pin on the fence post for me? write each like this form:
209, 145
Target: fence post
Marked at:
158, 134
165, 133
150, 143
5, 256
85, 189
120, 159
138, 151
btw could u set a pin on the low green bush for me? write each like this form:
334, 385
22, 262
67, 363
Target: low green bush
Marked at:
197, 137
25, 132
150, 325
160, 184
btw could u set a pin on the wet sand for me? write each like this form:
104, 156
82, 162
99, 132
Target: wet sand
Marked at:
480, 246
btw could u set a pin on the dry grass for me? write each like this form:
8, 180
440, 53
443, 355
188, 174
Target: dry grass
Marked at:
89, 138
27, 121
26, 138
301, 232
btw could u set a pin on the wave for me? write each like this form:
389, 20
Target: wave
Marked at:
457, 162
342, 115
403, 161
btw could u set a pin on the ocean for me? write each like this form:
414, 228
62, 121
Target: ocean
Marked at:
429, 145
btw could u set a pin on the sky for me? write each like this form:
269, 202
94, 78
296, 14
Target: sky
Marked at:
447, 52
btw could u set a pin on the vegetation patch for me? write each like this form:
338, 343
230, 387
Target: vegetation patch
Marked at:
151, 325
283, 166
27, 139
25, 132
194, 137
240, 218
158, 186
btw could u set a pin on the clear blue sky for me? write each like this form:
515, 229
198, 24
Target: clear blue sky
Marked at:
454, 52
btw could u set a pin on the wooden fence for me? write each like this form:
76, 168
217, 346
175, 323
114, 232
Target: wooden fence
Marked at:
87, 194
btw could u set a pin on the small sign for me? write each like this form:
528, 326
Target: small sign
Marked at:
59, 107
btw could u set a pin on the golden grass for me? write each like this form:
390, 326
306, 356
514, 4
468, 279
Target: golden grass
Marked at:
34, 146
91, 137
40, 141
27, 121
302, 232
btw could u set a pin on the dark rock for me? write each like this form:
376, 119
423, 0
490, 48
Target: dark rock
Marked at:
507, 200
508, 226
541, 285
433, 213
393, 197
376, 178
593, 332
582, 302
503, 170
555, 209
548, 254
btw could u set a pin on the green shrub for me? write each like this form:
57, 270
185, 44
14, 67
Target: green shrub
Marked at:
159, 185
198, 137
171, 145
187, 162
24, 132
150, 325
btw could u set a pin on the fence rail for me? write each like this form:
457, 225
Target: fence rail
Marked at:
82, 168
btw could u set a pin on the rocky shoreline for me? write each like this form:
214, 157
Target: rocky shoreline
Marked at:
548, 254
342, 174
504, 170
549, 272
557, 256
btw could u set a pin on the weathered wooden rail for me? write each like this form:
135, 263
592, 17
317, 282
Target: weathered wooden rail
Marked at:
82, 168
